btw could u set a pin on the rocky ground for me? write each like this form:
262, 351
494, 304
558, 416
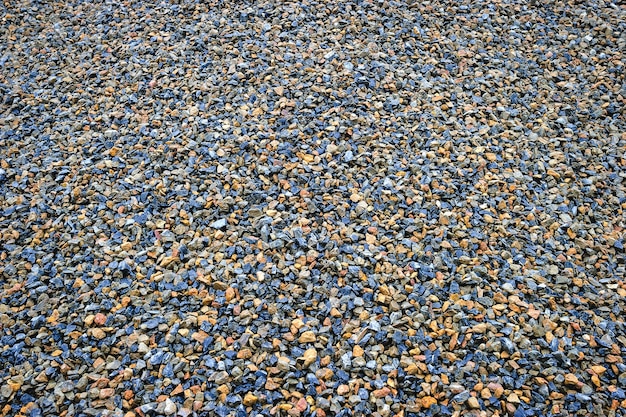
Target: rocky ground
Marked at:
311, 208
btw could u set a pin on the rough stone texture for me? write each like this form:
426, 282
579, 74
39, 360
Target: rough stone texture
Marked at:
312, 208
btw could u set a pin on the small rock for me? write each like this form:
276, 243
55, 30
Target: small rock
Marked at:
219, 224
513, 398
472, 402
307, 337
309, 356
343, 389
571, 380
428, 401
170, 407
98, 333
221, 377
381, 393
250, 399
100, 319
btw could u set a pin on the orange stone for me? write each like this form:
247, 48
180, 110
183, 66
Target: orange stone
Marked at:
357, 351
428, 401
571, 379
382, 393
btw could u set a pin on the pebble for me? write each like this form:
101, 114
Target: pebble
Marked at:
293, 208
473, 402
250, 399
219, 224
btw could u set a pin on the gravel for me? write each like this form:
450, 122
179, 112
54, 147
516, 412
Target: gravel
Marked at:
312, 208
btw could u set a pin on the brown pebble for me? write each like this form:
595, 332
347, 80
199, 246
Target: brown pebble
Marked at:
357, 351
381, 393
571, 380
244, 354
98, 333
250, 399
428, 401
513, 398
307, 337
472, 402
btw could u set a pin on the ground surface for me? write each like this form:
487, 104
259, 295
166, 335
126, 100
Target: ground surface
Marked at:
312, 208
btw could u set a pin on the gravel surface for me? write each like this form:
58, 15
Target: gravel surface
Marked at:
311, 208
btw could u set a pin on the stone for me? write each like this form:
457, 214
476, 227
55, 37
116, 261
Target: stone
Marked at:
472, 402
219, 224
170, 407
307, 337
250, 399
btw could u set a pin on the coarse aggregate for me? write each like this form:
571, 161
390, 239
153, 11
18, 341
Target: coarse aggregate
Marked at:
312, 208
